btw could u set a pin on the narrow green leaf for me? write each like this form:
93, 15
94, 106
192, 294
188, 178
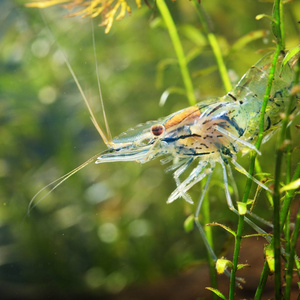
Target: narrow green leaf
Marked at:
167, 17
192, 54
290, 54
161, 66
157, 23
217, 292
291, 186
205, 71
194, 35
189, 223
241, 266
256, 235
171, 90
246, 39
269, 253
261, 16
223, 226
263, 174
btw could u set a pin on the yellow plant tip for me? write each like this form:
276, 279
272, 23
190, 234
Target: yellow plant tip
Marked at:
269, 254
110, 10
189, 223
222, 264
241, 266
124, 8
242, 208
44, 4
261, 16
138, 3
291, 186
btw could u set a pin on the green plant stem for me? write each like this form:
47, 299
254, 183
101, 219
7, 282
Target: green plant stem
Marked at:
289, 273
262, 281
276, 197
276, 221
251, 170
292, 244
208, 232
297, 264
266, 98
279, 33
277, 27
182, 61
281, 24
287, 231
287, 234
240, 229
288, 157
221, 65
253, 157
215, 47
287, 199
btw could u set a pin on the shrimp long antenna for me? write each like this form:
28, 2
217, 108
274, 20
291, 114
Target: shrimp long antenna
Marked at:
57, 183
94, 120
99, 85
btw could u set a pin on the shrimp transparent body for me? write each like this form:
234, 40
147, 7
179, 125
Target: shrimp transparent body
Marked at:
209, 133
212, 131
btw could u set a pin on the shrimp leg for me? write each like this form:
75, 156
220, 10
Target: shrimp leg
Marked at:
200, 228
196, 175
176, 175
233, 183
233, 209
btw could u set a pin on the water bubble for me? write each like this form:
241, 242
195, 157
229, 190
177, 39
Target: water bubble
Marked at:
95, 277
139, 228
108, 232
47, 95
40, 48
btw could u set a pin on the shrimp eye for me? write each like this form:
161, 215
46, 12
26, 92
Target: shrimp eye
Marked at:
157, 129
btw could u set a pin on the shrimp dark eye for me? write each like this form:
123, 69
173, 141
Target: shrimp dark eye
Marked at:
157, 129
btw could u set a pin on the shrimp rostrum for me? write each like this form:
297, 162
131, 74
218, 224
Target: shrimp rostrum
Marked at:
209, 133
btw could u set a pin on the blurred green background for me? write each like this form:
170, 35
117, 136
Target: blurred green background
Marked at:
107, 232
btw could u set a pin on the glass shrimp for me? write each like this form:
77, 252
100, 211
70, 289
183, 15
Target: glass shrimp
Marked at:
209, 133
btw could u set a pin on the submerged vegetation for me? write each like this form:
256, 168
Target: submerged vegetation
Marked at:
108, 228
